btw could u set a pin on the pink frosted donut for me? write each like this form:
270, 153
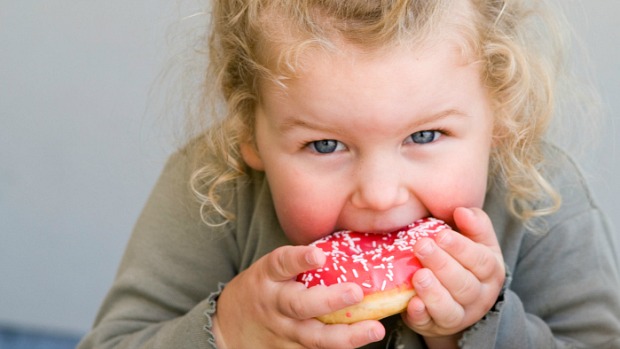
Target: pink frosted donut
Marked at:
382, 264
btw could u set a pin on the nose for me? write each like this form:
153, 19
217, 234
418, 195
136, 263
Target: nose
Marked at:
380, 185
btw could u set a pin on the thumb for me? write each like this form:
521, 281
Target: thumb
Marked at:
284, 263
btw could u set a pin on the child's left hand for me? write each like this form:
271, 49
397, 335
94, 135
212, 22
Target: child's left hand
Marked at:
462, 277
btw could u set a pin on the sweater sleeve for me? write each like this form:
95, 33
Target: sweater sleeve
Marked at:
563, 292
564, 279
170, 276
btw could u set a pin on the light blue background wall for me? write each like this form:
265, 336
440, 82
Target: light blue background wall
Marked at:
80, 151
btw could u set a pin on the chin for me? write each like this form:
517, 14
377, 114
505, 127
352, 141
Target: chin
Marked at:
299, 236
382, 226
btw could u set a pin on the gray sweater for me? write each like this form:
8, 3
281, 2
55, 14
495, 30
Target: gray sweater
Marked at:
562, 289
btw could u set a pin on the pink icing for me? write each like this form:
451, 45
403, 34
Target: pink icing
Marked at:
377, 262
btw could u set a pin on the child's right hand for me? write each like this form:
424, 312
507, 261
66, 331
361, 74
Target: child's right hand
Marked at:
264, 307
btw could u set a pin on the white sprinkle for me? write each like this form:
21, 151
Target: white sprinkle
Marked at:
343, 270
367, 285
344, 278
383, 285
355, 273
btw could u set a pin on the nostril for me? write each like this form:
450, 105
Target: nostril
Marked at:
380, 198
380, 182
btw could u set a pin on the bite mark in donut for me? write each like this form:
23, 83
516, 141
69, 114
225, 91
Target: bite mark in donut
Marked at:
382, 264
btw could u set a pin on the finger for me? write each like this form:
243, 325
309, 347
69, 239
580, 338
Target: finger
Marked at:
483, 262
476, 225
295, 301
285, 263
440, 305
319, 335
416, 315
462, 284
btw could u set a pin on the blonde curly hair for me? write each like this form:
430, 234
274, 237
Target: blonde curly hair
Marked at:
517, 42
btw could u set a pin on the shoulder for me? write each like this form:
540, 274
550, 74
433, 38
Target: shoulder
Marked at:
578, 208
254, 225
579, 223
565, 176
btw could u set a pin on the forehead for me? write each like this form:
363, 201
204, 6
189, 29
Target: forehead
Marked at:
368, 26
389, 80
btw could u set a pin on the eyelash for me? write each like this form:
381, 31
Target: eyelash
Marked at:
312, 144
437, 134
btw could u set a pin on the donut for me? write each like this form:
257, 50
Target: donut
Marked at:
382, 264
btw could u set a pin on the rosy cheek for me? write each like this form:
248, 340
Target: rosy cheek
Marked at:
304, 221
442, 205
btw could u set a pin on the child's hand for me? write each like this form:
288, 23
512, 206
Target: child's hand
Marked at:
263, 307
462, 279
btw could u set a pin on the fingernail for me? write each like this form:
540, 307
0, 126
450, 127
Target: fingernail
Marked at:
468, 211
373, 335
351, 297
425, 249
424, 281
444, 238
311, 258
419, 308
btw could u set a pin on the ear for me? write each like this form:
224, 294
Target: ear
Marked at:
250, 155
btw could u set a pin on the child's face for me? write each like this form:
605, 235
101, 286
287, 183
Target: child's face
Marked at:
373, 142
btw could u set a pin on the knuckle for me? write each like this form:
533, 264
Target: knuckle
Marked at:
333, 303
297, 308
314, 341
469, 289
442, 264
423, 322
278, 262
353, 342
486, 264
458, 245
454, 318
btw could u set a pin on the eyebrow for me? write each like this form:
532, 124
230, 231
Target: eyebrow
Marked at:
296, 122
438, 116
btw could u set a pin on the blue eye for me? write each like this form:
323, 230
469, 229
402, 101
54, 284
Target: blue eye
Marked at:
424, 137
325, 146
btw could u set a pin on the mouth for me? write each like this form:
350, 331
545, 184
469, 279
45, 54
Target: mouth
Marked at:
384, 231
381, 224
380, 231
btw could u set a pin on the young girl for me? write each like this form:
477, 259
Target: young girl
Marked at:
368, 115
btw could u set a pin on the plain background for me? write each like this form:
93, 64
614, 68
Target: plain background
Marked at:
81, 146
